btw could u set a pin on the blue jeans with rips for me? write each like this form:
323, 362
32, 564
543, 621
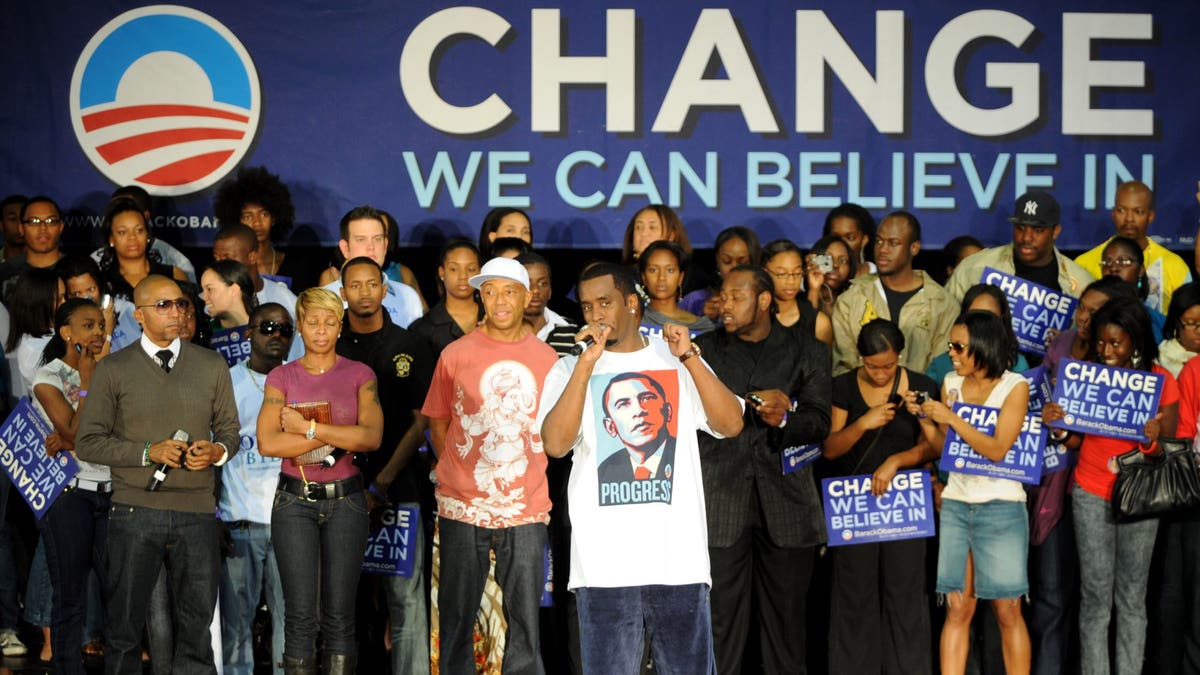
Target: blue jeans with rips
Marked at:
465, 552
245, 575
613, 623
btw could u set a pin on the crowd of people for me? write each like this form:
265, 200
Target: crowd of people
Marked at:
590, 482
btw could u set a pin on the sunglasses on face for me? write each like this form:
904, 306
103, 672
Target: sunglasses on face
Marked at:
956, 347
164, 306
285, 330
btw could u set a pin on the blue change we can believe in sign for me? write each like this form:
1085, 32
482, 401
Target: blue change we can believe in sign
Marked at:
854, 515
1023, 462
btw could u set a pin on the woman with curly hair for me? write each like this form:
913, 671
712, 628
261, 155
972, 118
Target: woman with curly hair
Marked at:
260, 201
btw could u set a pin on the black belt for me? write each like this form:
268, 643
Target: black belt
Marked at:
315, 491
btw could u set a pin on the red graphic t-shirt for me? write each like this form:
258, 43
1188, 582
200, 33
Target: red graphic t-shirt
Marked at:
492, 471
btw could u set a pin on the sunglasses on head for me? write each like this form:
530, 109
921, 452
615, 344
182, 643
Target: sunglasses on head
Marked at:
163, 307
285, 330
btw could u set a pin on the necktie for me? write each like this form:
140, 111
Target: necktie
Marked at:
164, 358
641, 473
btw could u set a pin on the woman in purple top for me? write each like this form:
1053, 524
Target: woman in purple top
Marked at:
319, 520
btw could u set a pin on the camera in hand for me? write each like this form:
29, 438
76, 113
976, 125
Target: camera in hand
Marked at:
922, 397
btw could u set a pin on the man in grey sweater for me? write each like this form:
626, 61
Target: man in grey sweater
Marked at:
139, 399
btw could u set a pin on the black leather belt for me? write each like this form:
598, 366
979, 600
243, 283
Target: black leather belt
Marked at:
316, 491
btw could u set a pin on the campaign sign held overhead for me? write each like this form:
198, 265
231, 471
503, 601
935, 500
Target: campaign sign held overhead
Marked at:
1106, 400
855, 516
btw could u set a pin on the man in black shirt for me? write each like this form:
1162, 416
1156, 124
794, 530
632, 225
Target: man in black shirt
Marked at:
403, 365
763, 526
1031, 255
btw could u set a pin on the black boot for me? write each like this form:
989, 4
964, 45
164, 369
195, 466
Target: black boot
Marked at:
294, 666
338, 664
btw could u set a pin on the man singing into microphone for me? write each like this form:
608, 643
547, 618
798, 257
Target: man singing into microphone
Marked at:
139, 398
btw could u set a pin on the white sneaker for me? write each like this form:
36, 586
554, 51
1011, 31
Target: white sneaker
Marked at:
11, 645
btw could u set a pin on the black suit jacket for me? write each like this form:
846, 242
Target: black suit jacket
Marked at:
744, 472
617, 467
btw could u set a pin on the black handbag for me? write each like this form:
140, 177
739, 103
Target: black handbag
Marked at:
1149, 486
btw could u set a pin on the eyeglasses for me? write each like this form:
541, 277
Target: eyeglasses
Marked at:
48, 222
1119, 262
164, 306
1189, 325
957, 347
786, 275
285, 330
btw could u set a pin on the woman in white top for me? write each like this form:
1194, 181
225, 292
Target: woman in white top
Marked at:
32, 302
75, 528
984, 538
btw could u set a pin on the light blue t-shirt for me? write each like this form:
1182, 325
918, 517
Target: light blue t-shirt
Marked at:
248, 479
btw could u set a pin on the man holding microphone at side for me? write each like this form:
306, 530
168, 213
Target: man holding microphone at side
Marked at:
142, 400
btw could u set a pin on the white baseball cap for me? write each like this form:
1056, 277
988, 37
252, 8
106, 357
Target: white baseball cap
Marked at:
500, 268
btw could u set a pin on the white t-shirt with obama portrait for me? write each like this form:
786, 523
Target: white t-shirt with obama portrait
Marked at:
637, 516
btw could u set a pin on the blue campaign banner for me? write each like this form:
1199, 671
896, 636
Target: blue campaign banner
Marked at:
1055, 457
547, 599
1039, 388
855, 516
799, 456
390, 547
1106, 400
39, 479
1022, 463
1036, 310
755, 112
232, 344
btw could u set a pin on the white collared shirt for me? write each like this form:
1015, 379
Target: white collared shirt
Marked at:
152, 349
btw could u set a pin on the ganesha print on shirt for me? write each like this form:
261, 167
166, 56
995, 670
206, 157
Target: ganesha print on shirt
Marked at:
502, 430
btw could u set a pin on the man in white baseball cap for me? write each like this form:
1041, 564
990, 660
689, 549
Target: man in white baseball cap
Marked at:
491, 471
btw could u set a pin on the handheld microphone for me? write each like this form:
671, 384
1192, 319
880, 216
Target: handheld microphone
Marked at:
331, 459
160, 471
584, 343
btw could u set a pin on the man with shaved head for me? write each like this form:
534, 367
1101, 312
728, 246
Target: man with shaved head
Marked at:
163, 406
1132, 214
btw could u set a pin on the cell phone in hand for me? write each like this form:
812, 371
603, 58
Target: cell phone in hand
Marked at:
755, 399
922, 397
824, 262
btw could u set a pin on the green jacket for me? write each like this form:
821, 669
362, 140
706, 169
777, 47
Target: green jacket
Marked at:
924, 320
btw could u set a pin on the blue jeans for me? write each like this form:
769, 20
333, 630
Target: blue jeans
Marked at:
614, 621
319, 547
140, 540
245, 575
465, 552
1114, 566
8, 568
39, 598
409, 612
75, 533
996, 533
